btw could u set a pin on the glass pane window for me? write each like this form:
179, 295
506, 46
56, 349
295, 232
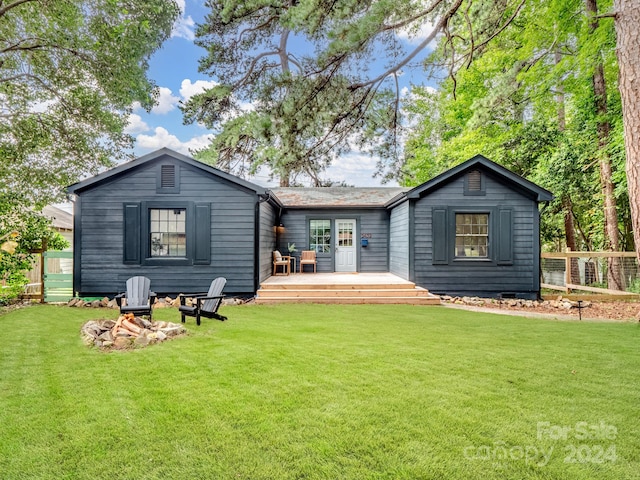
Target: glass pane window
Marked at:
472, 235
320, 236
167, 229
345, 234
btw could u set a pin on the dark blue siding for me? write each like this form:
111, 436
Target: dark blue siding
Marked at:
372, 222
267, 239
518, 275
232, 233
399, 241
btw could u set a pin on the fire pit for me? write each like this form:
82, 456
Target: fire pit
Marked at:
128, 331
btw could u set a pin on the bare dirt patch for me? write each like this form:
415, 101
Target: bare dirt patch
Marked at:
560, 308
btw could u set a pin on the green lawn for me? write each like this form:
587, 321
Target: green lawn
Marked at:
322, 392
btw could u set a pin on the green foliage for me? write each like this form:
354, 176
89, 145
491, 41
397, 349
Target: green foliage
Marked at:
304, 112
33, 232
634, 286
506, 105
70, 71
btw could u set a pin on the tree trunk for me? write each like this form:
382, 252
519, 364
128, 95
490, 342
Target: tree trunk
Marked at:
567, 205
562, 124
627, 20
570, 237
615, 279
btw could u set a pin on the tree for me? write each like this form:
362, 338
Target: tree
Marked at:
538, 98
560, 47
627, 19
21, 231
311, 104
70, 71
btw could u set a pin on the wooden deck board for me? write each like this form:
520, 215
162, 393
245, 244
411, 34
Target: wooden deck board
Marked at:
340, 288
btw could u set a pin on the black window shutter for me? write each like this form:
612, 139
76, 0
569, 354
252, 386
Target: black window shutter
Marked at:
202, 247
439, 236
505, 237
131, 233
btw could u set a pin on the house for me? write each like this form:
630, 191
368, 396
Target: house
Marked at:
472, 230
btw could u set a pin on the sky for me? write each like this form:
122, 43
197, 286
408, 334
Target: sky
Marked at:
174, 68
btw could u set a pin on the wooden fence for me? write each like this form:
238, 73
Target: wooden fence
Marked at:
588, 268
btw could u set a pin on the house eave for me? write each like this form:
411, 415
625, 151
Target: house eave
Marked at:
529, 188
136, 163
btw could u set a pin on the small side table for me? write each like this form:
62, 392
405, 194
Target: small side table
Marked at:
291, 257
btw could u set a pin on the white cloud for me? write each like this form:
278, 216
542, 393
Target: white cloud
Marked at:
167, 101
162, 138
183, 28
415, 35
247, 106
355, 169
136, 124
189, 89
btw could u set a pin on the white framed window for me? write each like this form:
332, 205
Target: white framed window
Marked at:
167, 232
320, 236
472, 235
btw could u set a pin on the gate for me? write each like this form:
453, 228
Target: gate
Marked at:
58, 276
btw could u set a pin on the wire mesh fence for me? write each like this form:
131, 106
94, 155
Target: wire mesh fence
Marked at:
598, 272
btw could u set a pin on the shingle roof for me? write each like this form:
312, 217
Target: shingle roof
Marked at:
336, 196
59, 218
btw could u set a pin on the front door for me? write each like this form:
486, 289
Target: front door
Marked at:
345, 245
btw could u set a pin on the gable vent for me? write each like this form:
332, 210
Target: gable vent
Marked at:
167, 176
474, 179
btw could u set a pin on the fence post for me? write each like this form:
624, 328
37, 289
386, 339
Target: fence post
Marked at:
567, 271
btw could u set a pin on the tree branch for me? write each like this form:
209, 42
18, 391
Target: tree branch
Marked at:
443, 21
295, 61
252, 66
282, 51
499, 31
607, 15
257, 27
412, 19
16, 46
13, 5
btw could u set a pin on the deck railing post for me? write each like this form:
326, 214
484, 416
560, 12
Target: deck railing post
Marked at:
567, 271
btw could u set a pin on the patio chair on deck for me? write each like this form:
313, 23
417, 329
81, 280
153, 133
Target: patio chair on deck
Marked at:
206, 304
280, 261
138, 299
307, 257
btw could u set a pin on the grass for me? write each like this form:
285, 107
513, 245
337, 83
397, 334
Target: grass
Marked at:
321, 392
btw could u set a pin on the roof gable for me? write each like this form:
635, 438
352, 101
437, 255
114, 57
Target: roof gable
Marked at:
139, 162
516, 181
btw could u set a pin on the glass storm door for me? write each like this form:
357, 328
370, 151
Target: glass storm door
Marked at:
345, 245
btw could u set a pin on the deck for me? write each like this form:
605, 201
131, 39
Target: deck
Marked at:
374, 288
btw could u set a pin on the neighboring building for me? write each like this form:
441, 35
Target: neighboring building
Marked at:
472, 230
61, 221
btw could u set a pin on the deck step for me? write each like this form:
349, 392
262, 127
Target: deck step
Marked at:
342, 291
430, 300
338, 286
370, 294
334, 292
